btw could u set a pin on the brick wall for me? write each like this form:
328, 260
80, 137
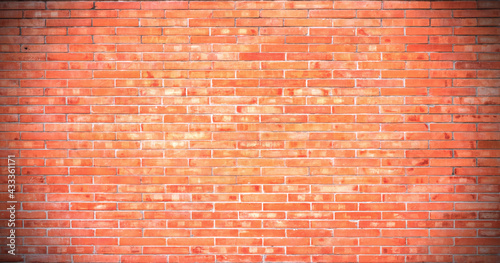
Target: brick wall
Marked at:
296, 131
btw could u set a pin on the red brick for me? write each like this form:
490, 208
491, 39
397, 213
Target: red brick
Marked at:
250, 131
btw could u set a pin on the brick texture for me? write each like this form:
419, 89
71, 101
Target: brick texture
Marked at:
268, 131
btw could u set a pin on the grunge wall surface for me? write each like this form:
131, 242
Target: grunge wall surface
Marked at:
270, 131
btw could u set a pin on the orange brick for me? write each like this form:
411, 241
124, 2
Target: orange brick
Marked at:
251, 131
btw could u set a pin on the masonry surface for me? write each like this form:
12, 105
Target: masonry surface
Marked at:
296, 131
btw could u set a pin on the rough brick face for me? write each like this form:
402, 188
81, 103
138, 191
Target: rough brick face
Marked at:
252, 131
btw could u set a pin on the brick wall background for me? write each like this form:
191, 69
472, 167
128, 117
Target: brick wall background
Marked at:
297, 131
